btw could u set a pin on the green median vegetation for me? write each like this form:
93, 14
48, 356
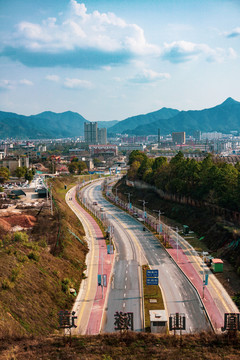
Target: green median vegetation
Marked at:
153, 299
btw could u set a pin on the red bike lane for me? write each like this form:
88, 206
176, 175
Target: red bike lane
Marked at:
105, 263
184, 263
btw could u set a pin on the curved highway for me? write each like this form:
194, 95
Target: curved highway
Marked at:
126, 288
134, 248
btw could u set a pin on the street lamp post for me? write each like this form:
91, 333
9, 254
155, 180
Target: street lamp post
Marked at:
176, 229
144, 203
159, 219
129, 199
116, 194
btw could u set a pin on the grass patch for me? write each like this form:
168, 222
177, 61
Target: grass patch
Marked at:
151, 292
194, 241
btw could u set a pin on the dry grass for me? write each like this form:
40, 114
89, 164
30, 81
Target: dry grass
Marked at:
127, 345
32, 272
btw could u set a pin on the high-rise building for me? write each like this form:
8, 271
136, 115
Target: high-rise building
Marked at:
102, 136
90, 132
197, 135
179, 138
159, 137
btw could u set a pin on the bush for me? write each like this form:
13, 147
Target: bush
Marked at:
22, 258
20, 237
6, 284
66, 284
15, 273
43, 242
33, 256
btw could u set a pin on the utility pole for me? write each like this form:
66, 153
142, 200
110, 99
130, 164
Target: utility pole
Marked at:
144, 203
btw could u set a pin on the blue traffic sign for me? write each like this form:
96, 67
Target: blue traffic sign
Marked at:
152, 273
152, 281
206, 279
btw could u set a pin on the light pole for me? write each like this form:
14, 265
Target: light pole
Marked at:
176, 229
102, 276
116, 194
159, 219
144, 203
129, 198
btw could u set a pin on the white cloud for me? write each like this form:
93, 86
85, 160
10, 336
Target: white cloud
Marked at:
182, 51
77, 84
107, 68
234, 33
52, 77
81, 30
6, 84
149, 76
26, 82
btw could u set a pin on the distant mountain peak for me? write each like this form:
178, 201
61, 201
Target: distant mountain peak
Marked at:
229, 101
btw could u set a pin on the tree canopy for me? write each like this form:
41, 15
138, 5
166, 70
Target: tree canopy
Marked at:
215, 182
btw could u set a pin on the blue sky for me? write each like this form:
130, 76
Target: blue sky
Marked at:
108, 60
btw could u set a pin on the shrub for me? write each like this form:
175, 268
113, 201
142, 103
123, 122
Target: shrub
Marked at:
43, 242
15, 273
22, 258
6, 284
66, 284
20, 237
33, 256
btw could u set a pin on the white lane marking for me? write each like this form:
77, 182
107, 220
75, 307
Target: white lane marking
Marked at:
124, 305
124, 295
126, 271
125, 278
125, 286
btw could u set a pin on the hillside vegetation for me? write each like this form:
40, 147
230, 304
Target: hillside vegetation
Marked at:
37, 268
216, 183
125, 346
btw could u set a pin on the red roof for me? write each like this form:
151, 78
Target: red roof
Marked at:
217, 261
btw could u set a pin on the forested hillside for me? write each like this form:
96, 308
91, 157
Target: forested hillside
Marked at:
215, 182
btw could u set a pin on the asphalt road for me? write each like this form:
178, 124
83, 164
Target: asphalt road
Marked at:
125, 289
135, 247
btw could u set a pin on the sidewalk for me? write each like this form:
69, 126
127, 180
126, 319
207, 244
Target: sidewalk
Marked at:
99, 262
215, 298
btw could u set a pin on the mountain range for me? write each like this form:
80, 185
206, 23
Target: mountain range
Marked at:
223, 118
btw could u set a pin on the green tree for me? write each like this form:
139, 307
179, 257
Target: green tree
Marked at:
73, 167
132, 172
4, 173
81, 166
29, 175
20, 172
159, 162
137, 155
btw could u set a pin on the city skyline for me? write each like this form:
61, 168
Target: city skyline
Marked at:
108, 60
